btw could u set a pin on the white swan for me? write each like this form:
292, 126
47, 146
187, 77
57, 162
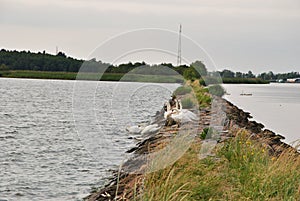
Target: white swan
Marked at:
190, 115
151, 129
142, 129
135, 129
181, 116
167, 114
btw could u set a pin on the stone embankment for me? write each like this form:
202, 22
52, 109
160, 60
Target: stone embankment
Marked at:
222, 113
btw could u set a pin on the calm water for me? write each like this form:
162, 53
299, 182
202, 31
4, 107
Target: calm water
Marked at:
46, 155
277, 106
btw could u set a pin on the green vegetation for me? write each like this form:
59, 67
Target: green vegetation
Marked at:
201, 93
240, 170
187, 103
284, 76
90, 76
26, 60
248, 78
4, 67
182, 90
216, 90
39, 75
152, 78
244, 81
42, 61
209, 133
196, 71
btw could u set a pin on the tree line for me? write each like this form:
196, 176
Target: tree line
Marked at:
42, 61
269, 76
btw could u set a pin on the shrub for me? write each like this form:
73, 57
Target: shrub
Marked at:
187, 103
216, 90
182, 90
201, 94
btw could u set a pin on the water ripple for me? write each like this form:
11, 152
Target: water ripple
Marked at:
42, 157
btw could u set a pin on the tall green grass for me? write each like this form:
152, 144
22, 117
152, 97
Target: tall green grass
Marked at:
241, 169
202, 94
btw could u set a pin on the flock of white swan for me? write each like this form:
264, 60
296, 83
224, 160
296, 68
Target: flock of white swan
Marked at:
174, 111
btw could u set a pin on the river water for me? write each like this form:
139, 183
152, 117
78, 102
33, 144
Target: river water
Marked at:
46, 155
275, 105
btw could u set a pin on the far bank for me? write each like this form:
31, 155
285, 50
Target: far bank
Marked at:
116, 77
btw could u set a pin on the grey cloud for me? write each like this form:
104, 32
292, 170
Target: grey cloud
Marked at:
237, 33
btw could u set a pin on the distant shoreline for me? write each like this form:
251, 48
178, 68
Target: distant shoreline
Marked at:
60, 75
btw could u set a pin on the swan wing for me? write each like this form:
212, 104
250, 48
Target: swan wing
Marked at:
150, 129
134, 129
190, 114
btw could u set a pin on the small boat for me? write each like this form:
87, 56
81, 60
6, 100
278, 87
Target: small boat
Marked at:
246, 94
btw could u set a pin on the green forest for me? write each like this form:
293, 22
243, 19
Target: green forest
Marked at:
27, 64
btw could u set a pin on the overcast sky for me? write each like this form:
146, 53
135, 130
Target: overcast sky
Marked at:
240, 35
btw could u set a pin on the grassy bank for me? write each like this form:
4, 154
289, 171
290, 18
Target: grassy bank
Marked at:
91, 76
240, 169
119, 76
247, 163
244, 81
38, 74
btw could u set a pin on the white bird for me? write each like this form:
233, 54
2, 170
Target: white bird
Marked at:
135, 129
190, 115
142, 129
167, 114
151, 129
181, 116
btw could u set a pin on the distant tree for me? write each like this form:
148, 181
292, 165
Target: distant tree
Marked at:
190, 74
26, 60
214, 74
284, 76
138, 64
227, 74
250, 74
170, 65
61, 54
199, 67
264, 76
239, 75
4, 67
271, 75
180, 69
